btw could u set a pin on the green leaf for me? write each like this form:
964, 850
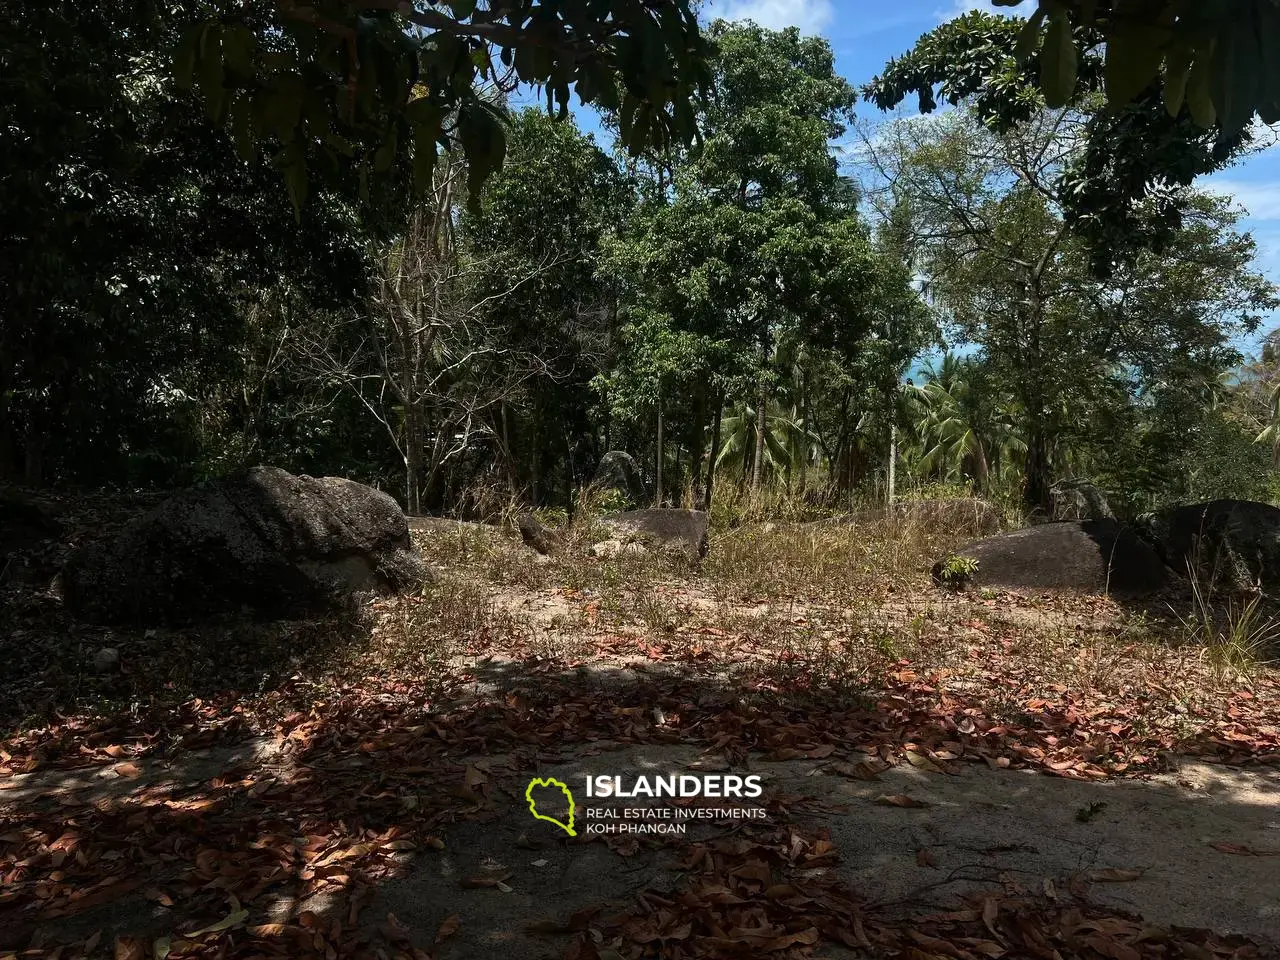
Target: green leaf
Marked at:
1133, 61
1199, 87
295, 176
237, 51
209, 73
1058, 60
1029, 37
1177, 71
185, 55
1239, 70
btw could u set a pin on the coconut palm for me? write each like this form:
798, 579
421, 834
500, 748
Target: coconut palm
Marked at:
965, 428
789, 445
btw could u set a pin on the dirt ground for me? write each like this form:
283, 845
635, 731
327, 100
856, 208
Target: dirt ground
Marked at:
960, 776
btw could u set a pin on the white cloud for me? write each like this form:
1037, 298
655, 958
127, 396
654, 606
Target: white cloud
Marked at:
1260, 199
811, 16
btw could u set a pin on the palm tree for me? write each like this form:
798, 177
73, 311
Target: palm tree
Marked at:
966, 429
789, 445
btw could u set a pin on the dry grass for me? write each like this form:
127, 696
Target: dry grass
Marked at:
834, 607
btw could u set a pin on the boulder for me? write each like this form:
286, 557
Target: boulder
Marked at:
661, 529
1079, 500
264, 542
1074, 557
612, 549
542, 539
1227, 543
619, 471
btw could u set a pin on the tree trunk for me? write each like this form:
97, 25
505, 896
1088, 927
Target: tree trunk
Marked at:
697, 444
1035, 492
657, 472
757, 465
413, 444
513, 480
715, 450
981, 469
893, 460
535, 451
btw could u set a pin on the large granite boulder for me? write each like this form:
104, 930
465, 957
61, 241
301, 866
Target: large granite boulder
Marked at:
1226, 543
661, 529
1073, 557
265, 543
1079, 500
618, 471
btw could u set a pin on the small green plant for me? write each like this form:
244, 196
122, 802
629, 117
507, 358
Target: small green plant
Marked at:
1239, 635
955, 570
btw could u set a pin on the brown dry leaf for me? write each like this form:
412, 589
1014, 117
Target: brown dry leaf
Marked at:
130, 770
1240, 850
1112, 948
990, 914
900, 800
1114, 875
449, 927
862, 770
484, 881
268, 930
130, 948
395, 930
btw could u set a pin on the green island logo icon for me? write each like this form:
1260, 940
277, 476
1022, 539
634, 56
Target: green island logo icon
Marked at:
533, 804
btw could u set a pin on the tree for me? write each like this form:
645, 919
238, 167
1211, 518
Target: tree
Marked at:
546, 214
1146, 149
965, 424
136, 248
331, 84
756, 240
1012, 273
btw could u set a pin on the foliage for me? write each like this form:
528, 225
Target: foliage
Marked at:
1216, 58
136, 250
1139, 150
957, 569
1012, 272
338, 83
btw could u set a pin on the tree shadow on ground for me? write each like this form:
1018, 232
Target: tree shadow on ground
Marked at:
368, 785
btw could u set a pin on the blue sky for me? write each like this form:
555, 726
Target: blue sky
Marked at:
864, 35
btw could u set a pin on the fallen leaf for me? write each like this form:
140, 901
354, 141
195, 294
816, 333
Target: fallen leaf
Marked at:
862, 770
449, 927
900, 800
1241, 850
1114, 875
921, 762
130, 770
484, 880
130, 948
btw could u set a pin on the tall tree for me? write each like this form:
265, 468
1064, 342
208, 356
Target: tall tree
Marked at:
757, 238
1012, 272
